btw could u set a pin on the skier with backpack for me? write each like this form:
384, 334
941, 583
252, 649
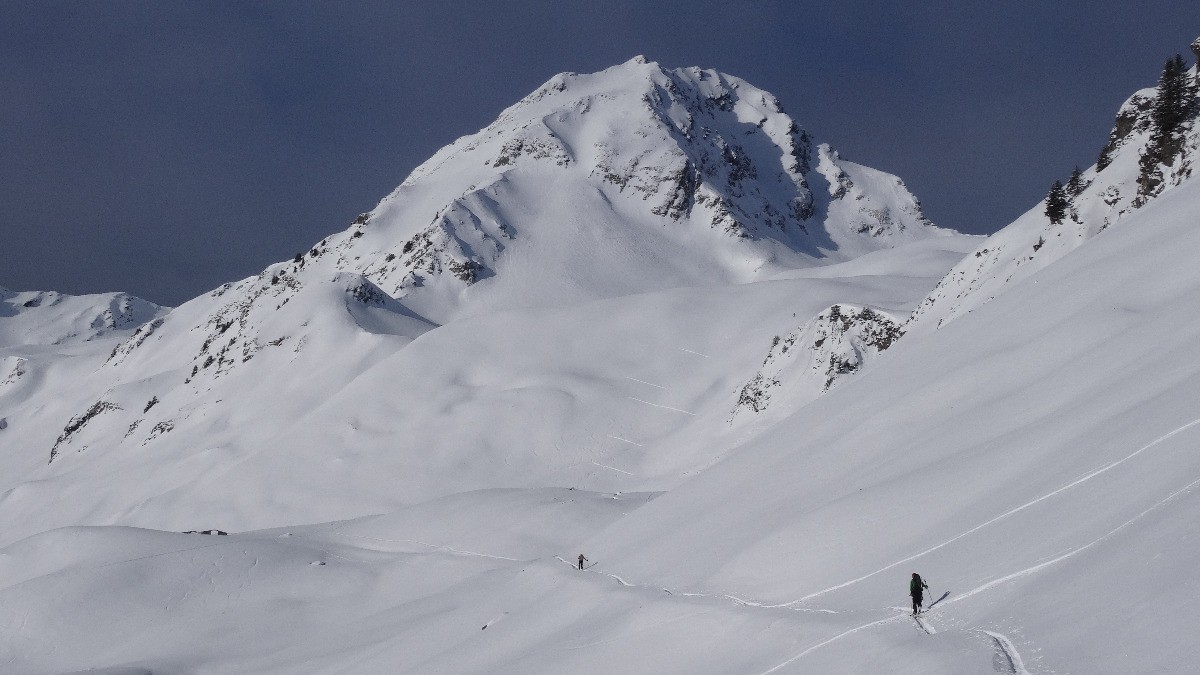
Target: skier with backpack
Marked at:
916, 588
582, 560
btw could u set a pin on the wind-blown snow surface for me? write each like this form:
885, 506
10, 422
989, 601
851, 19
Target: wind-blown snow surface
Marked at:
1035, 459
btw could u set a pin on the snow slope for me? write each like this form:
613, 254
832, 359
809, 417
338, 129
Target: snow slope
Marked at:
1034, 459
620, 394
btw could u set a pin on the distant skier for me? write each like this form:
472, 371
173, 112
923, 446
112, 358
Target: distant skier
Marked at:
916, 588
582, 560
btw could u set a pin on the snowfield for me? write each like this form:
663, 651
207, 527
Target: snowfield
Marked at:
755, 417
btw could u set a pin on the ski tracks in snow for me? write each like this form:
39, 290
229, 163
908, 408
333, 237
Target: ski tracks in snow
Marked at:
1079, 549
925, 625
605, 466
665, 407
712, 596
1086, 477
1002, 642
624, 440
1007, 654
656, 386
835, 638
436, 547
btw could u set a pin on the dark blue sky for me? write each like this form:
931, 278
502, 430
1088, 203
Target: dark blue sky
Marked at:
163, 148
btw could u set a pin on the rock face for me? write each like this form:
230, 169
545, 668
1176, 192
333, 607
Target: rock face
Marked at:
810, 360
1108, 192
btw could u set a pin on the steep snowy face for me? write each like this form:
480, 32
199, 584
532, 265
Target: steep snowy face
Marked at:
49, 318
1123, 180
632, 179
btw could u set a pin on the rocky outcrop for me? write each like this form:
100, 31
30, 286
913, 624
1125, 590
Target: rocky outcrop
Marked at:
811, 360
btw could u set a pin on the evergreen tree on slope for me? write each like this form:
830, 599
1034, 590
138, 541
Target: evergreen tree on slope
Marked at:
1174, 107
1057, 203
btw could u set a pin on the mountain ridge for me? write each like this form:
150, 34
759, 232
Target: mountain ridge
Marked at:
1108, 192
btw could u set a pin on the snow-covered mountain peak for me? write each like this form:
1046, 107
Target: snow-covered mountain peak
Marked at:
595, 192
632, 179
684, 176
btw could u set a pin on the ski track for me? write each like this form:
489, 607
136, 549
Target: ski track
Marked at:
696, 353
1109, 535
1006, 514
605, 466
666, 407
712, 596
1007, 645
1015, 665
626, 440
1003, 642
835, 638
659, 386
437, 547
925, 625
494, 620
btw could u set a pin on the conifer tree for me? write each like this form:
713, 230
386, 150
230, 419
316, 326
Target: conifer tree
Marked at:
1075, 183
1174, 106
1057, 203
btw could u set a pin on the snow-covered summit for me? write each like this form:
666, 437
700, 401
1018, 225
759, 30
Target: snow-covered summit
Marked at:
1107, 192
631, 179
